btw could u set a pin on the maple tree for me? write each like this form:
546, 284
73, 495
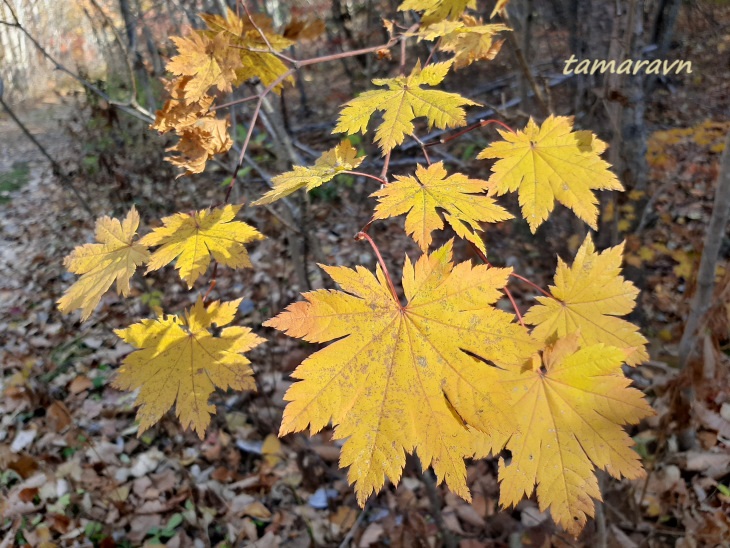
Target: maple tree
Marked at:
440, 371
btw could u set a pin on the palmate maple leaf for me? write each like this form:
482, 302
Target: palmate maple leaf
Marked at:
403, 101
437, 10
199, 142
399, 378
570, 415
551, 162
193, 239
462, 199
256, 61
179, 359
208, 60
115, 258
469, 39
588, 298
176, 114
341, 158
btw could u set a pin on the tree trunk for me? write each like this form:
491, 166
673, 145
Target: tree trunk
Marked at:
708, 263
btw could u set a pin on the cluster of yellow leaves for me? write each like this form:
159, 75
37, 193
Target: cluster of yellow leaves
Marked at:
461, 198
230, 52
341, 158
402, 378
449, 376
179, 359
468, 39
191, 239
403, 101
551, 162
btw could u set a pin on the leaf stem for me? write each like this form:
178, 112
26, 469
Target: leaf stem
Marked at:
361, 174
384, 172
365, 236
475, 125
423, 148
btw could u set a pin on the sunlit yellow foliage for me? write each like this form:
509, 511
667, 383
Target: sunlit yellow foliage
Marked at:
399, 378
179, 360
115, 258
256, 60
341, 158
463, 200
551, 162
438, 10
207, 61
194, 239
403, 101
570, 415
468, 39
589, 297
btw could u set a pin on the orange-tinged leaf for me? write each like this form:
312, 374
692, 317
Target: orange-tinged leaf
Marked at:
588, 298
115, 258
208, 61
399, 378
463, 200
200, 141
570, 416
551, 162
403, 101
341, 158
255, 59
499, 7
438, 10
193, 239
179, 360
469, 39
176, 114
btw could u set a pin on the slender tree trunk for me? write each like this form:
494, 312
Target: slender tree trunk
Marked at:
708, 263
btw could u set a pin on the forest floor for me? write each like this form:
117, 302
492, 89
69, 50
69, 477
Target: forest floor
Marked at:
74, 473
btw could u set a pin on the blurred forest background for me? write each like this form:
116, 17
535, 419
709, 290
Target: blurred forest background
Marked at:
84, 79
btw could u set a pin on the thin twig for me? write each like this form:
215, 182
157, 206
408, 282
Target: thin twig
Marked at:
366, 236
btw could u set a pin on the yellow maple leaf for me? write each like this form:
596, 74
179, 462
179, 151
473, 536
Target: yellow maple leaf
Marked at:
570, 415
193, 239
588, 298
341, 158
463, 200
499, 7
399, 378
438, 10
176, 114
256, 61
179, 359
208, 61
472, 42
551, 162
199, 142
114, 258
403, 101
